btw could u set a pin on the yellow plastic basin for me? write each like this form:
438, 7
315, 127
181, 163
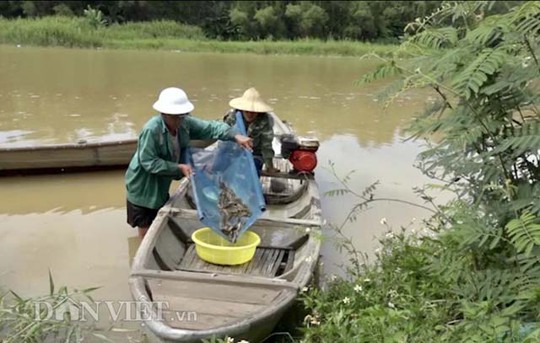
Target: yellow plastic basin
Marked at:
214, 249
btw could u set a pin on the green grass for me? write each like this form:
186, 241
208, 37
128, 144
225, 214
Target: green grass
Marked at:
27, 320
78, 32
50, 31
304, 47
163, 35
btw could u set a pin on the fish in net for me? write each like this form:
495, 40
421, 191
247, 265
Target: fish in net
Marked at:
233, 212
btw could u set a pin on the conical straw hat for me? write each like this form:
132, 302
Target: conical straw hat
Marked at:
251, 101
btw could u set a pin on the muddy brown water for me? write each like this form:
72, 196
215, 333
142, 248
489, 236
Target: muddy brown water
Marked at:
75, 225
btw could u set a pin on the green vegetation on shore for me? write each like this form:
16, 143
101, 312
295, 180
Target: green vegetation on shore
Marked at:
473, 273
164, 35
373, 21
247, 20
341, 28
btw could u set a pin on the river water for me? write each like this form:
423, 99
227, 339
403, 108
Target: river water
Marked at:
74, 225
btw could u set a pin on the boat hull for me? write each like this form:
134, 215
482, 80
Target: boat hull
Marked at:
61, 158
242, 302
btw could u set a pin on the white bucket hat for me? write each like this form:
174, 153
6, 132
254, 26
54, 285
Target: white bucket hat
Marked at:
251, 101
173, 101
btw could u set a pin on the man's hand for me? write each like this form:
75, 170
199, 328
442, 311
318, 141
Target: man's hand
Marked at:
244, 142
186, 170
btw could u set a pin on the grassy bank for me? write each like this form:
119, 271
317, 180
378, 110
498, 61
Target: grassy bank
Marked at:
425, 288
165, 35
473, 273
304, 47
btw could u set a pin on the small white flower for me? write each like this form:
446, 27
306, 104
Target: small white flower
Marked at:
308, 229
313, 320
391, 305
367, 280
358, 288
307, 318
383, 221
243, 341
229, 340
389, 234
526, 62
378, 250
346, 300
333, 277
305, 289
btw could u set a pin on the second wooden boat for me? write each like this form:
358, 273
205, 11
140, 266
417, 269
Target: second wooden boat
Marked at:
58, 158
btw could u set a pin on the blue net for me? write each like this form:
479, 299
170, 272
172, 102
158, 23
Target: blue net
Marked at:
226, 187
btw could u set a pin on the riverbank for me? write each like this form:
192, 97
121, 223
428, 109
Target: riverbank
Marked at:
163, 35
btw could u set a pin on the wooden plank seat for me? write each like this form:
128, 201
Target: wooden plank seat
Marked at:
267, 262
197, 305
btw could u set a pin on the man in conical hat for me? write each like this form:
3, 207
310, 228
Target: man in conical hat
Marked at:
259, 126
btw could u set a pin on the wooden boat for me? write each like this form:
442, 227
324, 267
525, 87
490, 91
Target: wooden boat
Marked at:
57, 158
200, 300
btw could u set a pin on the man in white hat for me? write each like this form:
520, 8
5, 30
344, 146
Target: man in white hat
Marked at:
161, 154
259, 126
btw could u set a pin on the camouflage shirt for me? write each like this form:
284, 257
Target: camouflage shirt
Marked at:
261, 131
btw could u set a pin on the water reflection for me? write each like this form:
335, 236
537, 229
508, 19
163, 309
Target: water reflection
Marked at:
67, 94
81, 193
81, 252
392, 166
11, 136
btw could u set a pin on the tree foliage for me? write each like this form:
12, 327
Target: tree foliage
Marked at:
249, 20
473, 275
484, 71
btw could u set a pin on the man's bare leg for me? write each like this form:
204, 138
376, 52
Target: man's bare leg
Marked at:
142, 232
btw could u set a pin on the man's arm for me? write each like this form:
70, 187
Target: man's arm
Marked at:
209, 129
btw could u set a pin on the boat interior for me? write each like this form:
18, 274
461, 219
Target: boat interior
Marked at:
281, 245
282, 240
172, 272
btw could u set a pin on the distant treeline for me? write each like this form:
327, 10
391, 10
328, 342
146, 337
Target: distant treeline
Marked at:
381, 21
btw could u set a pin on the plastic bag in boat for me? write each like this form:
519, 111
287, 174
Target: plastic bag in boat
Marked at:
226, 188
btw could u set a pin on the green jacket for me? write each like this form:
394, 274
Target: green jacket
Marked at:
261, 131
154, 165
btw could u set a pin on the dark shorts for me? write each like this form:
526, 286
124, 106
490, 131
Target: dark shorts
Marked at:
138, 216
